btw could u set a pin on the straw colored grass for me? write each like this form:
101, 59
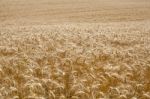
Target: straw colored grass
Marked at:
75, 61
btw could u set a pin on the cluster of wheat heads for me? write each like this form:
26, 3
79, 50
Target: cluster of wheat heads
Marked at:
75, 61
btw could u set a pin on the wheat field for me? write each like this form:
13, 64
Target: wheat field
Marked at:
74, 49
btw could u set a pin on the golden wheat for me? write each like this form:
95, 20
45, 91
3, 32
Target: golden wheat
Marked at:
75, 61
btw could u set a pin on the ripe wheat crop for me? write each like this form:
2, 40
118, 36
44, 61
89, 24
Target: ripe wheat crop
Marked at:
75, 61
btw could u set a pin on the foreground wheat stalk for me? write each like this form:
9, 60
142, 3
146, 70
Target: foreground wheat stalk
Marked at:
75, 61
